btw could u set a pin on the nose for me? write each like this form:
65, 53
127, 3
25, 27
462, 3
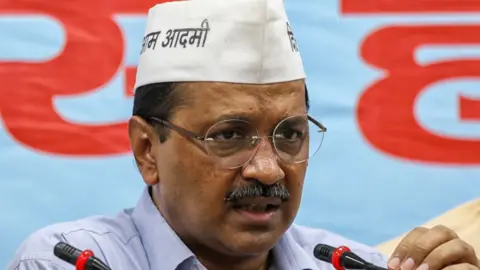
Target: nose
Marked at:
264, 165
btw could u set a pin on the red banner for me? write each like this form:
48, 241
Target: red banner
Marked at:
92, 55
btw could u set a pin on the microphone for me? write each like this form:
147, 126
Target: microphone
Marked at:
83, 260
342, 258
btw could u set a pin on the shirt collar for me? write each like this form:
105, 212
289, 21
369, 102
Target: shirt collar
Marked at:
165, 250
163, 247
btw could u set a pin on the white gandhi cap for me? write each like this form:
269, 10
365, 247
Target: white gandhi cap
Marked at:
237, 41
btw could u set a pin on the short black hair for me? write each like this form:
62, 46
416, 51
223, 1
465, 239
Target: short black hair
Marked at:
157, 99
160, 100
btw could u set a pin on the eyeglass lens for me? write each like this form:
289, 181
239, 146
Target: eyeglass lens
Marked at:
234, 142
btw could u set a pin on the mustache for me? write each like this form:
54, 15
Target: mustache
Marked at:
259, 190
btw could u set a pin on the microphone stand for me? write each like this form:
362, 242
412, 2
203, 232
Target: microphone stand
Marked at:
342, 258
83, 260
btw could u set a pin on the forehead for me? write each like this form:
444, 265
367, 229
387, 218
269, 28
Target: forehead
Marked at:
212, 99
209, 102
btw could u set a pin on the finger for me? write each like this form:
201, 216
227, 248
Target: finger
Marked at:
403, 247
452, 252
461, 266
426, 243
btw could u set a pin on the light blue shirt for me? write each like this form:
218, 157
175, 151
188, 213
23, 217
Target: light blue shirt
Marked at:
140, 238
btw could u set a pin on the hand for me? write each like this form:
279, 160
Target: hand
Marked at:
433, 249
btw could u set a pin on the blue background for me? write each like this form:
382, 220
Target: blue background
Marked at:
351, 187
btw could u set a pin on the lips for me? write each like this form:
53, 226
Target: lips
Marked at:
258, 204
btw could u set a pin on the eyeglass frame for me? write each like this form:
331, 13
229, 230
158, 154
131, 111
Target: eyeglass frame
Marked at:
203, 139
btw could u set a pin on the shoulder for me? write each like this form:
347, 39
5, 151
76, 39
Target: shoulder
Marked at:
96, 233
307, 238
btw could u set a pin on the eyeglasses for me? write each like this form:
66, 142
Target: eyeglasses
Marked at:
234, 142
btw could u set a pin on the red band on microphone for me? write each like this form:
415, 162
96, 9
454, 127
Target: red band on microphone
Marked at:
83, 259
337, 255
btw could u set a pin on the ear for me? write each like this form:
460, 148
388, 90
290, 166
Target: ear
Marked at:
142, 140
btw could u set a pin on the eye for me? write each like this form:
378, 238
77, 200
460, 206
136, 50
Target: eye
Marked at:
289, 134
227, 135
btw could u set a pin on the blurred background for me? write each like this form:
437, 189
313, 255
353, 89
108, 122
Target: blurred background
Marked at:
396, 83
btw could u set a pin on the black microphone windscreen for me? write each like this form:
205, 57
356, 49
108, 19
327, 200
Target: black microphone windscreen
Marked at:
323, 252
66, 252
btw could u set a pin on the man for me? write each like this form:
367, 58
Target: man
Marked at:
221, 137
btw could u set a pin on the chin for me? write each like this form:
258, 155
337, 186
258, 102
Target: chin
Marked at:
252, 242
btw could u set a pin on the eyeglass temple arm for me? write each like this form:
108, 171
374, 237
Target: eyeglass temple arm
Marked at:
320, 125
182, 131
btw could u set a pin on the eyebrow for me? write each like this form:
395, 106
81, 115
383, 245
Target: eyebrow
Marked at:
230, 116
243, 116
